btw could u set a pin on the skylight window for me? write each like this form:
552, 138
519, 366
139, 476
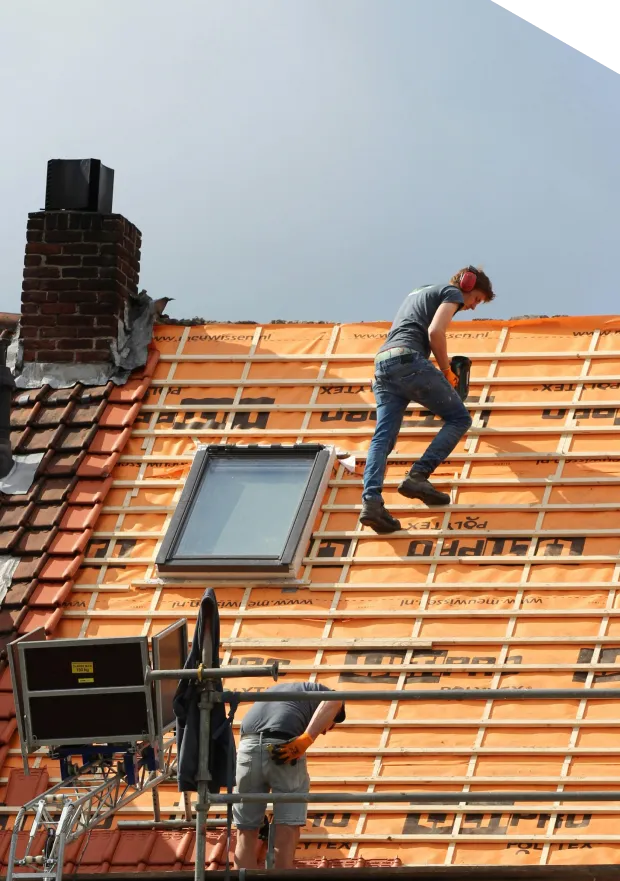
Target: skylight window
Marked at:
247, 511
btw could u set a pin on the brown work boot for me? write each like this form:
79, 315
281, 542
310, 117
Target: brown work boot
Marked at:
375, 515
417, 486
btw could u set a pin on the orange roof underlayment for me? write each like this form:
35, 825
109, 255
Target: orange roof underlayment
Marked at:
515, 585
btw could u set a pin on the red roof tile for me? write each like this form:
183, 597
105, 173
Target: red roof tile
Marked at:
22, 788
109, 441
9, 539
68, 542
97, 466
49, 594
59, 568
119, 415
70, 486
54, 490
34, 541
80, 517
46, 516
132, 391
14, 513
89, 492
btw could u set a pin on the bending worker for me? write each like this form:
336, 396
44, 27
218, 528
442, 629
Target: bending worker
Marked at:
271, 757
403, 374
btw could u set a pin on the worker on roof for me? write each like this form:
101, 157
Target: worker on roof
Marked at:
271, 758
403, 374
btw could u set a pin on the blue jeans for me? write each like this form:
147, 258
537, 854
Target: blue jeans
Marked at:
394, 387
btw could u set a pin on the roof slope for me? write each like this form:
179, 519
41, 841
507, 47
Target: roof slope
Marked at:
513, 586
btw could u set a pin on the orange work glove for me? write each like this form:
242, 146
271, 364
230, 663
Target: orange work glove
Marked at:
291, 750
451, 376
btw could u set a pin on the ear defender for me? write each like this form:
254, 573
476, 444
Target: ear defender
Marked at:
468, 281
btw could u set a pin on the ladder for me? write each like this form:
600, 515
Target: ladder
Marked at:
86, 796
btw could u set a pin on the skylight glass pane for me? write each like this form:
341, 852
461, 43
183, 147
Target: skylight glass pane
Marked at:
245, 506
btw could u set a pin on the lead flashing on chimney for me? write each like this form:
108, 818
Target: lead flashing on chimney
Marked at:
130, 353
8, 565
19, 479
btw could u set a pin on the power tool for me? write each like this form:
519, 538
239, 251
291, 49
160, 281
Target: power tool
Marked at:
461, 365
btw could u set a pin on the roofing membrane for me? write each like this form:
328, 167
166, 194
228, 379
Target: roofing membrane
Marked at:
513, 586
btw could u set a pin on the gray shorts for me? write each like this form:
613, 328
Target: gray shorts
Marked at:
257, 772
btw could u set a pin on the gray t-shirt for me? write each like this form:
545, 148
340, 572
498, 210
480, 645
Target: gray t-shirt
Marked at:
413, 319
291, 717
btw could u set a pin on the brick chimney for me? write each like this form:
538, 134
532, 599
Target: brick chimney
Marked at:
80, 269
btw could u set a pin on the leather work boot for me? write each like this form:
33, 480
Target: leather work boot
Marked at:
375, 515
417, 486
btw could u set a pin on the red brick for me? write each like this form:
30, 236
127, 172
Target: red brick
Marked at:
107, 321
34, 235
71, 297
81, 320
105, 236
94, 309
87, 330
111, 298
36, 220
62, 236
36, 343
61, 284
58, 332
85, 248
31, 284
36, 320
90, 357
63, 261
57, 308
42, 272
34, 297
30, 309
51, 355
97, 284
80, 272
32, 260
42, 248
74, 343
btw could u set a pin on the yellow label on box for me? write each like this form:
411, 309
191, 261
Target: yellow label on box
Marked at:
90, 679
82, 667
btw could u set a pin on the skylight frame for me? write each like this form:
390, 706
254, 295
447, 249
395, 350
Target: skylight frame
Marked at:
255, 567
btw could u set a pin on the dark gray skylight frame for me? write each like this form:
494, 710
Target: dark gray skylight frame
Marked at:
284, 565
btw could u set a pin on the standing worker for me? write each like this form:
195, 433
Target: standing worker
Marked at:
271, 757
403, 374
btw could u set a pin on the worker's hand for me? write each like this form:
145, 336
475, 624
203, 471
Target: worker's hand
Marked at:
291, 750
451, 377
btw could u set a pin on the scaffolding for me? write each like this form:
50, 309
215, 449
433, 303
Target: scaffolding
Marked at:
100, 791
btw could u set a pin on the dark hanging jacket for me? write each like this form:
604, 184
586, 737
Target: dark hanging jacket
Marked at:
222, 757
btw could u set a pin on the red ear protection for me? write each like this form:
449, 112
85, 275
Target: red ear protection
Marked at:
468, 281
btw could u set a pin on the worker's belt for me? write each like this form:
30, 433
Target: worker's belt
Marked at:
270, 732
404, 355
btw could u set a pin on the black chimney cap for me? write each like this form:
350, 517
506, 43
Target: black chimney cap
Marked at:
79, 185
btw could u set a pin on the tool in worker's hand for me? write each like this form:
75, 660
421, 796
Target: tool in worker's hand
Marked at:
451, 377
461, 366
291, 750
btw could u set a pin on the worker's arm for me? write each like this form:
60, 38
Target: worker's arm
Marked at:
323, 717
294, 749
437, 334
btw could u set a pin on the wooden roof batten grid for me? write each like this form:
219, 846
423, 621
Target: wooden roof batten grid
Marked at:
240, 623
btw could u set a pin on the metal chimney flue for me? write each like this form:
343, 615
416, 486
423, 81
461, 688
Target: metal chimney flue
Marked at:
79, 185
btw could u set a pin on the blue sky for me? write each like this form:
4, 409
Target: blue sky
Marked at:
318, 159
